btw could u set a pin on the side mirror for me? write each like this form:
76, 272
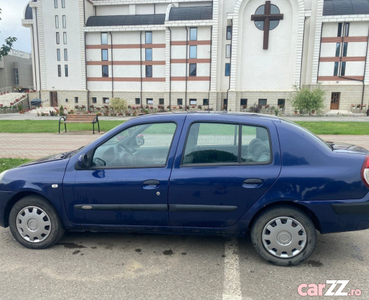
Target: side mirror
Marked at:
83, 161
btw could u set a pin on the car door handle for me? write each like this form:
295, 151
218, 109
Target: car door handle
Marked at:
252, 183
151, 184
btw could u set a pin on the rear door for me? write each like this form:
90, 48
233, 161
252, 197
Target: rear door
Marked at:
221, 170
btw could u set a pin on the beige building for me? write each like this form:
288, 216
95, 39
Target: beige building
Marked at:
218, 54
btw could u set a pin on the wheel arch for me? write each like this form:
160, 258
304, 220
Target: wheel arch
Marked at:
292, 204
18, 197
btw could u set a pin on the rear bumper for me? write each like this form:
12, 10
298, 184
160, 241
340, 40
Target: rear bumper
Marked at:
351, 208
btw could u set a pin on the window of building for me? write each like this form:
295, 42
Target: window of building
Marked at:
104, 38
227, 69
339, 30
193, 51
161, 101
193, 101
262, 102
335, 71
193, 70
94, 100
225, 103
106, 100
59, 70
205, 102
344, 49
58, 38
66, 70
63, 3
148, 37
343, 68
64, 38
149, 101
281, 103
16, 76
58, 54
179, 101
66, 99
64, 21
75, 99
347, 29
243, 103
148, 71
104, 54
338, 49
55, 3
228, 51
105, 71
56, 21
148, 54
138, 101
66, 54
229, 33
193, 34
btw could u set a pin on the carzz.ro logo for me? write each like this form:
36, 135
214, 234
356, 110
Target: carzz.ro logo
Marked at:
329, 288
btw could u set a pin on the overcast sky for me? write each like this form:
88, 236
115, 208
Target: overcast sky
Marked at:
11, 24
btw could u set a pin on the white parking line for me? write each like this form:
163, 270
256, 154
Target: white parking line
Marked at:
232, 281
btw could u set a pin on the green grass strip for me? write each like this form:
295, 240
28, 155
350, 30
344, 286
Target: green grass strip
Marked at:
337, 128
8, 163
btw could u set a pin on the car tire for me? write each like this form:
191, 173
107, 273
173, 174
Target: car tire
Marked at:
34, 223
283, 235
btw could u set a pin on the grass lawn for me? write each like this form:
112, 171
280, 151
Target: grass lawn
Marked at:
50, 126
8, 163
338, 128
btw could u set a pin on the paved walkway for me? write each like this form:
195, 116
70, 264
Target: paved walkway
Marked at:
37, 145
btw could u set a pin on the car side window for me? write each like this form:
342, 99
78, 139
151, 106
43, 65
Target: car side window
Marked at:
211, 143
255, 145
216, 143
145, 145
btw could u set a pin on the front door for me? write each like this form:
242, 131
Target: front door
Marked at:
335, 100
218, 180
54, 99
128, 181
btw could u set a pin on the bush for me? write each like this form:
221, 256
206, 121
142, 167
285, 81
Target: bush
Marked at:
306, 100
61, 111
118, 104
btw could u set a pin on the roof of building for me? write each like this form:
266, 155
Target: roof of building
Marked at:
191, 13
126, 20
345, 7
28, 13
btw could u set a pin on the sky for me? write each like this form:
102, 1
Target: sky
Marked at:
11, 24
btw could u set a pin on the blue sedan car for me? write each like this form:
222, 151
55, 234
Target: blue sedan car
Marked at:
200, 173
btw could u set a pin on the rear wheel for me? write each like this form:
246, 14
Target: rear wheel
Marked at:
34, 223
283, 235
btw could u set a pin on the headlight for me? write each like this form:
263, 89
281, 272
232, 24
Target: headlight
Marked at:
2, 174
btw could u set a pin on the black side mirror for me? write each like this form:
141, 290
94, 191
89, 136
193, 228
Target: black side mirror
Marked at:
83, 162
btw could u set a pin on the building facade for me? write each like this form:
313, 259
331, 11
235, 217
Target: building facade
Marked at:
15, 71
220, 54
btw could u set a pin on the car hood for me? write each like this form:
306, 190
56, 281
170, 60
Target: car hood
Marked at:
53, 157
344, 147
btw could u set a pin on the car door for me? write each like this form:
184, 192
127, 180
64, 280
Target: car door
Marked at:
127, 182
221, 170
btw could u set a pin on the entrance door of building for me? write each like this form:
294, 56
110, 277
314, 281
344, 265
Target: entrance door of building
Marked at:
335, 100
54, 99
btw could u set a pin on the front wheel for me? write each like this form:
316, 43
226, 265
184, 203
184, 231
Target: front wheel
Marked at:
34, 223
283, 235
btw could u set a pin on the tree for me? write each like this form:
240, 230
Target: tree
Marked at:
5, 48
307, 100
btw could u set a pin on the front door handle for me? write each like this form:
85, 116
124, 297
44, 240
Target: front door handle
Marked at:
252, 183
150, 184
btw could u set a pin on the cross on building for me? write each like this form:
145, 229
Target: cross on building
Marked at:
264, 15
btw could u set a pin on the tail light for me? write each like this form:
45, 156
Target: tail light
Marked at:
365, 171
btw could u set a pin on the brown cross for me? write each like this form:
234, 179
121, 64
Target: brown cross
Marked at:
267, 17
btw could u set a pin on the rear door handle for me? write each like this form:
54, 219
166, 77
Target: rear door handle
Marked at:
252, 183
150, 184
